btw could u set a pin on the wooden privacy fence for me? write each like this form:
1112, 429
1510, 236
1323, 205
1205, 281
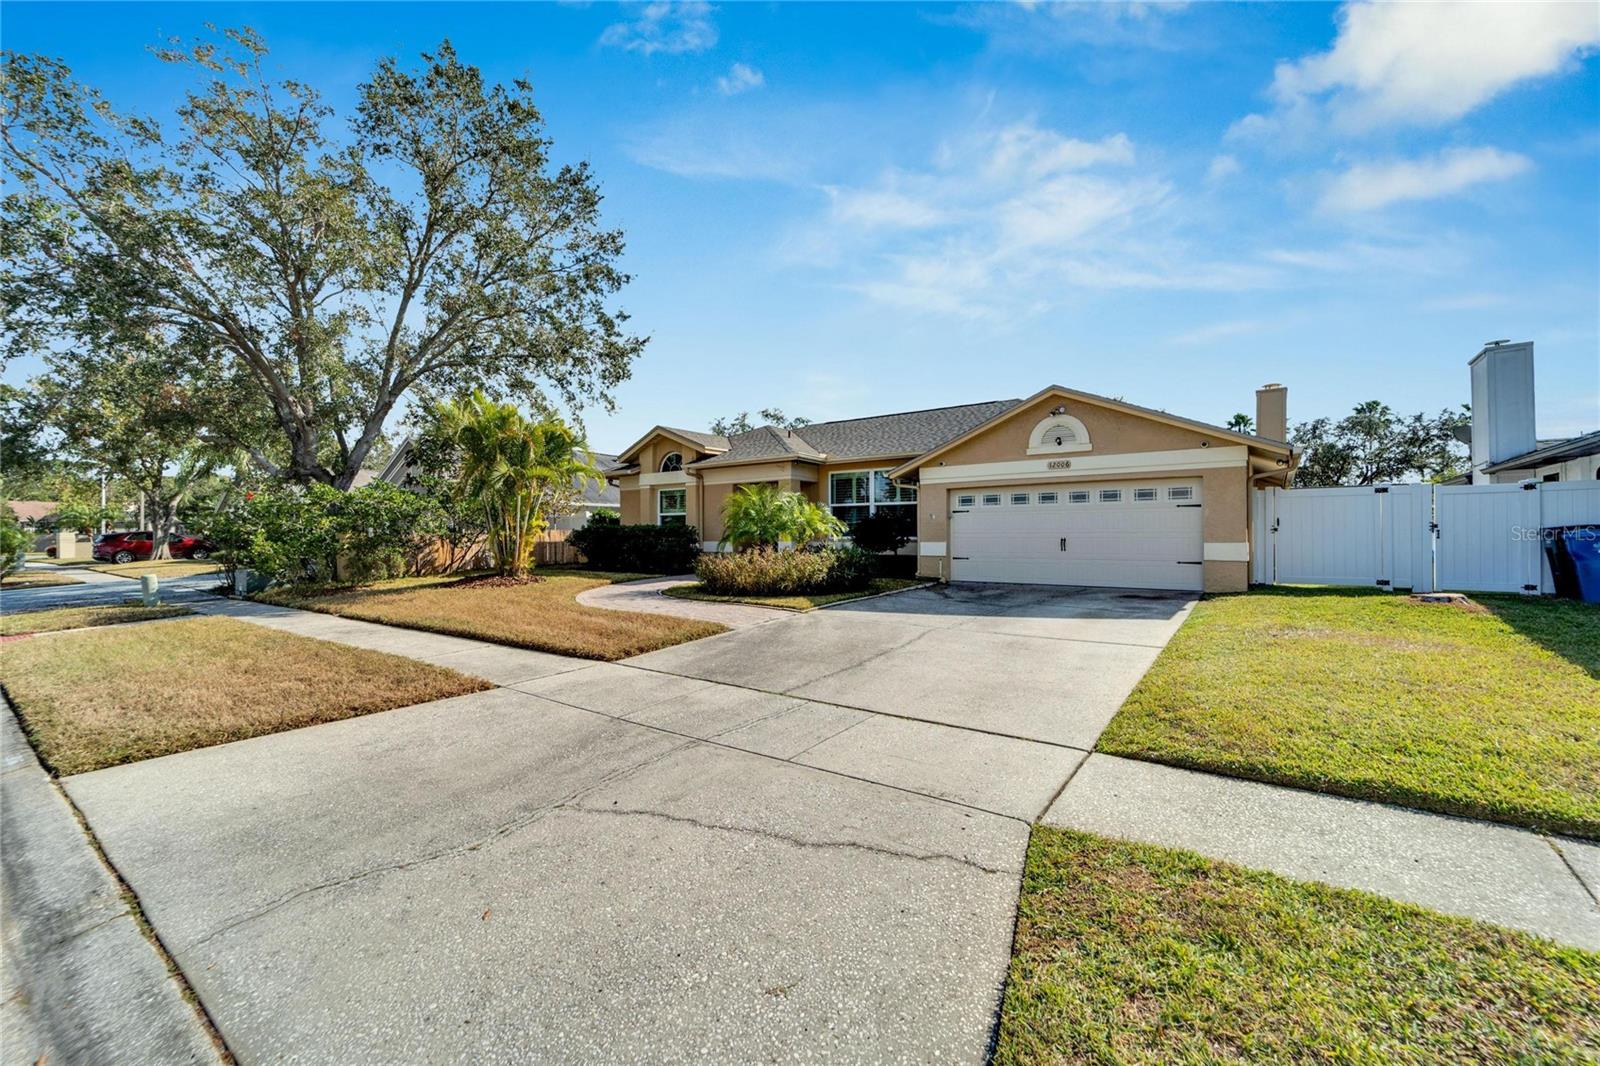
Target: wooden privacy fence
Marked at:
551, 549
1459, 538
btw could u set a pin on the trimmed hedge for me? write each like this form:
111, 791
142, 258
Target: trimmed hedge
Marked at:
607, 544
767, 572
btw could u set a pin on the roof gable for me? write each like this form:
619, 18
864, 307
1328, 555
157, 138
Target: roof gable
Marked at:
1106, 402
704, 442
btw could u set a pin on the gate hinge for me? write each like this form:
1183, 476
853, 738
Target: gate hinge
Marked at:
1383, 581
1381, 488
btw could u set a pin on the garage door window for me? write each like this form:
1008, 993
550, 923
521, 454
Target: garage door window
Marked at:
1079, 496
966, 501
1110, 495
1049, 497
1144, 495
1020, 499
1181, 492
991, 499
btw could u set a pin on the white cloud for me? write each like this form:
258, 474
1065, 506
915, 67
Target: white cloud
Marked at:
667, 27
1222, 166
740, 78
1042, 27
1369, 186
1006, 221
1424, 63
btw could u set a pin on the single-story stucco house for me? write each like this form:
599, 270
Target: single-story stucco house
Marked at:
1064, 487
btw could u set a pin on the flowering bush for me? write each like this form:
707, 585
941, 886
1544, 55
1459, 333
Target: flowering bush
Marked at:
767, 572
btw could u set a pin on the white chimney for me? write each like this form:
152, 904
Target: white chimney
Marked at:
1502, 403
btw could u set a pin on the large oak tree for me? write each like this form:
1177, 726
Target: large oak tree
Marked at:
316, 272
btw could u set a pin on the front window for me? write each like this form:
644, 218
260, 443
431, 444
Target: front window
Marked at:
855, 495
672, 507
672, 463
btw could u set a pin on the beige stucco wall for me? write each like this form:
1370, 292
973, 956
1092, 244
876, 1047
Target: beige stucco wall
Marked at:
1224, 488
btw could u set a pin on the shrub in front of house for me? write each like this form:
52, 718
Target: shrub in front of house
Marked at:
771, 572
607, 544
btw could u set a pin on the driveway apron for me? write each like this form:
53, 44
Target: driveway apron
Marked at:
797, 840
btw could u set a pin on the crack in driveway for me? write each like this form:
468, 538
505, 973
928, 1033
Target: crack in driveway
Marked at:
770, 834
521, 821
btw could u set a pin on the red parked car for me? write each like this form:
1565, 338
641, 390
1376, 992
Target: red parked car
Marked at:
129, 546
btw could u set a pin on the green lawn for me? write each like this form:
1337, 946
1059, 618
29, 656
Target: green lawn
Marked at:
1492, 713
544, 615
122, 693
798, 602
1127, 953
61, 618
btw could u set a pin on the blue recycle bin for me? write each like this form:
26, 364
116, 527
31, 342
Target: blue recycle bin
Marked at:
1574, 554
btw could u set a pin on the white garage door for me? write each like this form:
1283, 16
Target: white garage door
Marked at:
1125, 534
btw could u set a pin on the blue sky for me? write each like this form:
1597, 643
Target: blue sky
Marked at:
850, 209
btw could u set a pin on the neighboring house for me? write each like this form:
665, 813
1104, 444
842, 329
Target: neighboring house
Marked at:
1504, 444
30, 513
1064, 487
597, 496
600, 496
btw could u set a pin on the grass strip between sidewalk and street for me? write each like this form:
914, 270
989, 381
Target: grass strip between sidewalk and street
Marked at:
123, 693
1130, 953
60, 618
37, 579
1489, 711
797, 601
542, 615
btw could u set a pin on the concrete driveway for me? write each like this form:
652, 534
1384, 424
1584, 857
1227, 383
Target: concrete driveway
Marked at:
799, 840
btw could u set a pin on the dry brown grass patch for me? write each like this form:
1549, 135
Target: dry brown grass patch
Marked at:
120, 694
542, 615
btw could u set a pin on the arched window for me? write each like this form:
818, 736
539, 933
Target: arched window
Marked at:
1058, 433
673, 462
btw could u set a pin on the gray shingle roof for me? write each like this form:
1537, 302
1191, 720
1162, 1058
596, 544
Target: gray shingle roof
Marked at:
1550, 452
763, 442
604, 495
906, 433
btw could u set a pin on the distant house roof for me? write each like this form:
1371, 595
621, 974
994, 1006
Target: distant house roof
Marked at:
30, 511
605, 494
1550, 452
397, 471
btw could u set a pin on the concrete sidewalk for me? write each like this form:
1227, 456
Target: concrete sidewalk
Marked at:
81, 983
1512, 877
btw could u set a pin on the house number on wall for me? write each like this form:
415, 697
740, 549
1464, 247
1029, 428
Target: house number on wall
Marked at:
1059, 464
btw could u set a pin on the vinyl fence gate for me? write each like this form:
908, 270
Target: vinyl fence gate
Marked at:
1468, 538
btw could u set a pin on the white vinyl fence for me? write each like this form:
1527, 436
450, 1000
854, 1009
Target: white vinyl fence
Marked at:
1477, 538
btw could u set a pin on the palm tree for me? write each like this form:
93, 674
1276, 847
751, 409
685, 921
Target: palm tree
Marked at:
757, 516
513, 468
1242, 423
